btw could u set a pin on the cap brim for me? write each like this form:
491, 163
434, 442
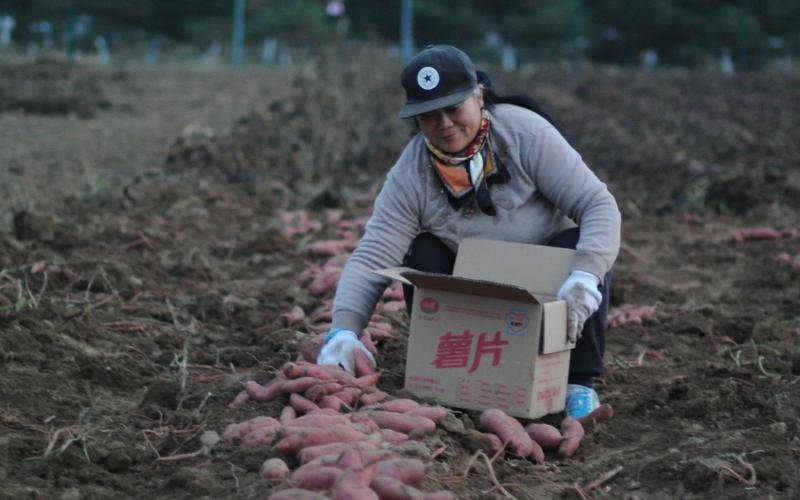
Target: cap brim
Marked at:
411, 110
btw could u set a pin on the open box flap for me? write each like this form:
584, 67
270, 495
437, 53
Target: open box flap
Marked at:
395, 273
540, 269
469, 286
554, 324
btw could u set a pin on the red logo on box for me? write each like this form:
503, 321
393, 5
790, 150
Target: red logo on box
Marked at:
429, 305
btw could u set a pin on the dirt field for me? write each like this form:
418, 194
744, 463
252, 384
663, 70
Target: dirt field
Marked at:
145, 267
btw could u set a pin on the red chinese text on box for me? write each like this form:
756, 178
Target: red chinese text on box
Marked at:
453, 351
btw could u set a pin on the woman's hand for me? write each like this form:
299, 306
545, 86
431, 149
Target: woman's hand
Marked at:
583, 297
340, 349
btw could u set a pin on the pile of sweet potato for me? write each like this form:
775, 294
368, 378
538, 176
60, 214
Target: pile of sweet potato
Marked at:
340, 430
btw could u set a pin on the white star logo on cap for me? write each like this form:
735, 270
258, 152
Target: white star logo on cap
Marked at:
428, 78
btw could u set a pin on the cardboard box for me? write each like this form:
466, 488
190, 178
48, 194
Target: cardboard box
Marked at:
492, 335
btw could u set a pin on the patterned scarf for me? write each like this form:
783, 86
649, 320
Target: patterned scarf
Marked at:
468, 171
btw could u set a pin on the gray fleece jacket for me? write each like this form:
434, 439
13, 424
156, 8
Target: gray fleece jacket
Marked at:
551, 189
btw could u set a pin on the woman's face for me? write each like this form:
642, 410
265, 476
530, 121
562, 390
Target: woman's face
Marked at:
452, 129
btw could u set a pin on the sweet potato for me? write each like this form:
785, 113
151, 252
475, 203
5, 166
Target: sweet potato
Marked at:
292, 370
297, 494
398, 405
301, 404
263, 436
510, 431
353, 484
374, 456
393, 437
408, 470
332, 403
319, 478
401, 422
308, 454
435, 413
299, 385
234, 431
274, 469
314, 437
373, 397
317, 371
240, 400
350, 458
315, 393
348, 395
368, 380
264, 393
363, 419
600, 414
319, 421
572, 432
362, 363
548, 437
389, 488
287, 415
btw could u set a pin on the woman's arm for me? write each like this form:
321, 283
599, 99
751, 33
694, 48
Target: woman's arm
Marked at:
563, 178
394, 223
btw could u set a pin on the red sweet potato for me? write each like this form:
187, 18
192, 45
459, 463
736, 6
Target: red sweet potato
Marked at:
393, 437
511, 431
408, 470
399, 405
402, 423
308, 454
435, 413
319, 478
353, 484
264, 393
373, 397
313, 437
332, 403
263, 436
317, 371
348, 395
274, 469
287, 415
389, 488
301, 404
350, 458
368, 380
600, 414
299, 385
573, 433
315, 393
546, 435
319, 420
292, 370
362, 363
240, 400
364, 420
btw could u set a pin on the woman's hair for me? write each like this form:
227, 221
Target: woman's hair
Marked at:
491, 97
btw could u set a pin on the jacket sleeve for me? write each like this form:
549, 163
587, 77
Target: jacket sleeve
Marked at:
394, 223
563, 178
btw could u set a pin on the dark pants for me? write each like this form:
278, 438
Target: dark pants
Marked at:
428, 253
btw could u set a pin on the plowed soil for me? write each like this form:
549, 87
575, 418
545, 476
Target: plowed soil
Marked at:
144, 267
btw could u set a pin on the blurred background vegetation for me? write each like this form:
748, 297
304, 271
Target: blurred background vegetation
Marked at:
695, 33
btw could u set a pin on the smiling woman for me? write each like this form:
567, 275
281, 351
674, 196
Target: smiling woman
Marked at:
490, 168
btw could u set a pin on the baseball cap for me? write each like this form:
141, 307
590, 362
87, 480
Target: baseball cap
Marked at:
438, 77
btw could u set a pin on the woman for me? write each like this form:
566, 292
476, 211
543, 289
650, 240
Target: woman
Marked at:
481, 167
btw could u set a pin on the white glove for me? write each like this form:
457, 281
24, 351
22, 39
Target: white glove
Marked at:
339, 349
580, 291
